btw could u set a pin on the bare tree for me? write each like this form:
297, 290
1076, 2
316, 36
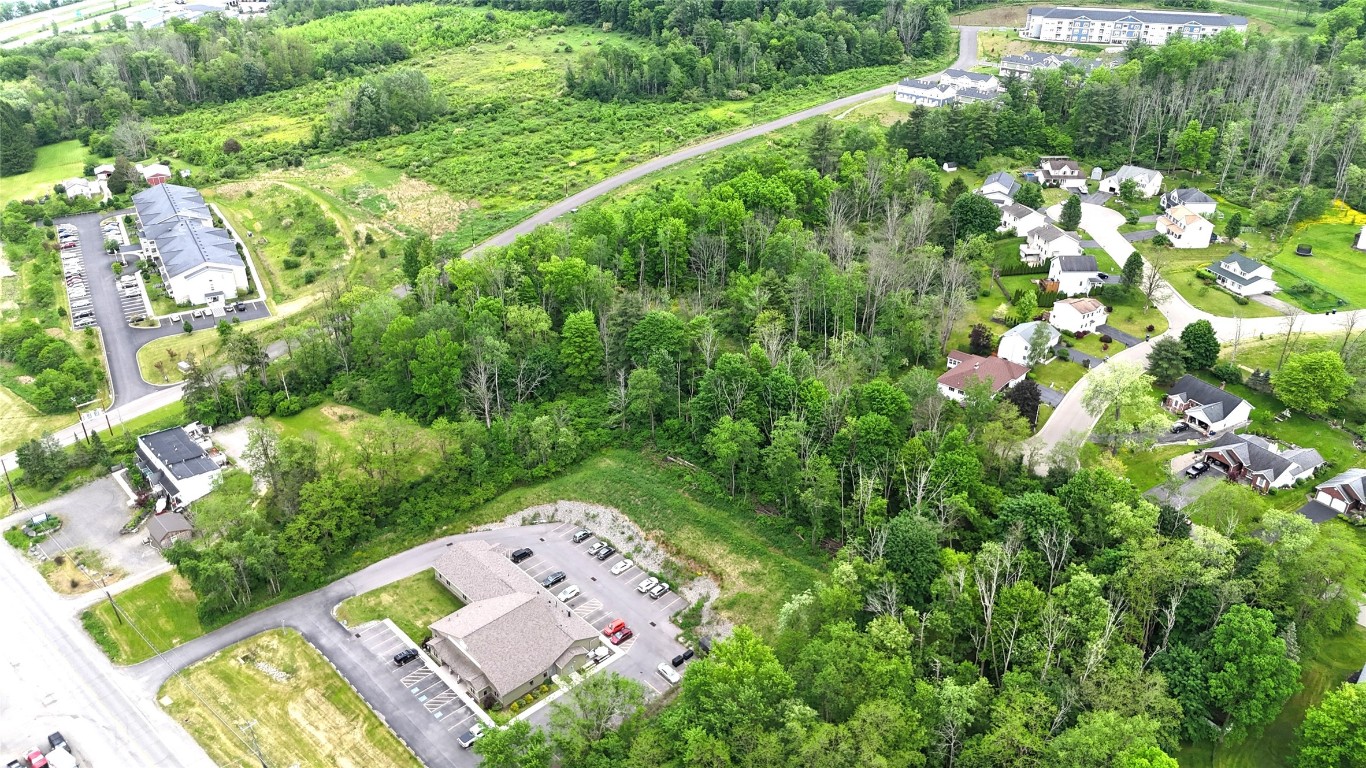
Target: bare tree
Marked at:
133, 137
1152, 284
1292, 319
1055, 542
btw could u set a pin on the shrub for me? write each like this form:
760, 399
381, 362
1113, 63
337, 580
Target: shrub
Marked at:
291, 263
1240, 301
1150, 328
1227, 372
1064, 353
1161, 240
1080, 334
1105, 339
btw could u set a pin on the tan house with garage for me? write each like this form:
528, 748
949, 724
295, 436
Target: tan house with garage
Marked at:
511, 636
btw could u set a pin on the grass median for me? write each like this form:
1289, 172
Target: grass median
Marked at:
277, 694
412, 604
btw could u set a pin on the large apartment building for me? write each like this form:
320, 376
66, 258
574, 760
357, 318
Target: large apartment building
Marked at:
1116, 26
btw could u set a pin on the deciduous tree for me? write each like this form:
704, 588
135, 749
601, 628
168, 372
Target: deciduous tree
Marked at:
1312, 382
1200, 344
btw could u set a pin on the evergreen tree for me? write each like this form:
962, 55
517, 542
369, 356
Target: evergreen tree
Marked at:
1071, 214
1133, 270
17, 151
1234, 226
1167, 360
956, 189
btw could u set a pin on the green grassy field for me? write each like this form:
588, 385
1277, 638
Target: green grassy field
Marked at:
1265, 354
1336, 268
163, 608
1330, 665
54, 163
1060, 374
1131, 317
1144, 468
1210, 298
302, 713
412, 604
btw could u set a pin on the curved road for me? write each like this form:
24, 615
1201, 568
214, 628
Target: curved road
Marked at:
1070, 421
967, 57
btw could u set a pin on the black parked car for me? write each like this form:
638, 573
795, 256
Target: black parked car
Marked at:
404, 656
606, 552
552, 579
1197, 469
521, 555
1180, 427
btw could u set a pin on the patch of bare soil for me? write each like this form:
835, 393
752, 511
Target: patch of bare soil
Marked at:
424, 206
63, 572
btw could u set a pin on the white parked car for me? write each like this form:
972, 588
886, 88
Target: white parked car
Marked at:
569, 593
621, 567
597, 545
647, 585
175, 318
667, 672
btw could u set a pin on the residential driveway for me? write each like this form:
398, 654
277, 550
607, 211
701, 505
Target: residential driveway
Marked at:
1141, 235
92, 517
1049, 396
1126, 339
121, 341
1284, 308
1097, 198
1187, 492
1091, 362
311, 615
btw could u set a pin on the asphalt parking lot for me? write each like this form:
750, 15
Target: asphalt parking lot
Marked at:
450, 714
121, 340
92, 517
605, 598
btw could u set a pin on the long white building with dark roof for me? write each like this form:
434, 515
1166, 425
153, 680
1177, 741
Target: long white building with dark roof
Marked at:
1117, 26
199, 262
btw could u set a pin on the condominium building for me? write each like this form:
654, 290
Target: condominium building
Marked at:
1116, 26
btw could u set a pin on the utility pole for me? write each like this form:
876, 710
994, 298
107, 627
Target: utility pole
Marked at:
77, 408
14, 498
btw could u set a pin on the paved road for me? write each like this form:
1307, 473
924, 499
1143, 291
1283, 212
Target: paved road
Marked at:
122, 341
1070, 420
53, 678
311, 615
967, 57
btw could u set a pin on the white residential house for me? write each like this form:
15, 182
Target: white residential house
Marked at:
78, 186
1116, 26
1360, 243
1206, 407
1194, 199
154, 174
964, 80
1075, 315
1075, 275
1000, 188
1149, 181
1063, 172
103, 172
925, 93
1243, 276
183, 467
965, 368
1186, 228
1021, 218
1048, 242
1017, 344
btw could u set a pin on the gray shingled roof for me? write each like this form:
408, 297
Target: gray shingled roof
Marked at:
513, 629
1131, 172
1048, 233
1353, 481
914, 82
178, 220
1082, 263
1244, 263
976, 77
1005, 179
1147, 17
1026, 332
1186, 196
1192, 389
1017, 210
181, 455
159, 527
1260, 456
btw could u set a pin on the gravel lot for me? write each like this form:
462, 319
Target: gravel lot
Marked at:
92, 516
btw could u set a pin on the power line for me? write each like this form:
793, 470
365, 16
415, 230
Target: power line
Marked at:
123, 617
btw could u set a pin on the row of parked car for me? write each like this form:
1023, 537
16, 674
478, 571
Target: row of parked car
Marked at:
73, 275
58, 755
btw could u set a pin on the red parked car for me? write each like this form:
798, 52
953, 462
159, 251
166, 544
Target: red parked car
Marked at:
36, 759
614, 627
621, 636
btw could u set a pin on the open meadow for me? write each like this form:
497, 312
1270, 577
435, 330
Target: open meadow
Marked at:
302, 712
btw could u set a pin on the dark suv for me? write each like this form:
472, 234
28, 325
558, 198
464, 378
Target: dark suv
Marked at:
404, 656
606, 552
521, 555
552, 579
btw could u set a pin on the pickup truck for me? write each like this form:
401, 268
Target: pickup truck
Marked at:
468, 738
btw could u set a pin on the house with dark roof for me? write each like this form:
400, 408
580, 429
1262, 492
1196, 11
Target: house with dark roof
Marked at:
1243, 276
1194, 200
1206, 407
198, 261
1000, 188
1046, 242
966, 369
1117, 26
1344, 494
965, 80
1023, 65
1261, 463
178, 465
1074, 275
511, 635
925, 93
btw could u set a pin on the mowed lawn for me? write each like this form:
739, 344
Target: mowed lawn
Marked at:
412, 604
163, 608
1335, 266
302, 713
1330, 665
54, 163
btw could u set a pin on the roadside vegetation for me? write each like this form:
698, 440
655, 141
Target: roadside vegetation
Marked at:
301, 710
161, 609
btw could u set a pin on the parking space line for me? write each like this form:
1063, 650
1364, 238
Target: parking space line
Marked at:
461, 722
